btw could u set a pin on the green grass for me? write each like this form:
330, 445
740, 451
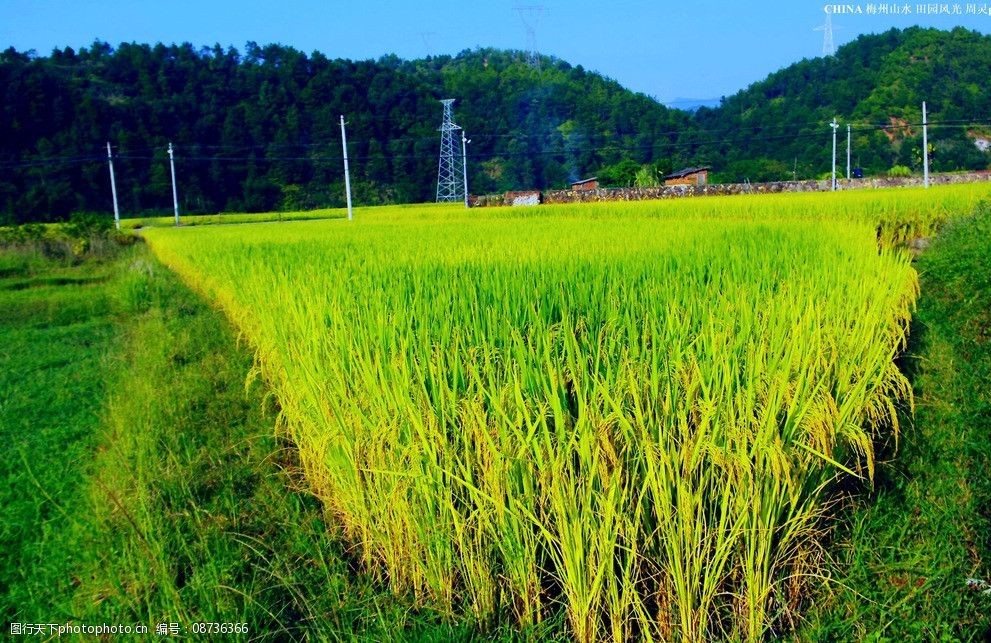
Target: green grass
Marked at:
266, 217
899, 214
53, 336
231, 218
907, 550
145, 484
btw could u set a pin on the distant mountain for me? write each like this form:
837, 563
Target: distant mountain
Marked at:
691, 104
877, 84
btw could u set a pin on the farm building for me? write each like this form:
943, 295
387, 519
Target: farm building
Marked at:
586, 184
688, 176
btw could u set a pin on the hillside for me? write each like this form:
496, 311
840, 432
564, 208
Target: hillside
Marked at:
259, 130
876, 83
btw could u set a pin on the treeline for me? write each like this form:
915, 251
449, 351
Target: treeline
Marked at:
877, 84
259, 130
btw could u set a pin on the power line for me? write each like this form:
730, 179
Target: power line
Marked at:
684, 139
133, 153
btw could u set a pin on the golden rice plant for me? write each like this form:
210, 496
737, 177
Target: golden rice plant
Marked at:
628, 412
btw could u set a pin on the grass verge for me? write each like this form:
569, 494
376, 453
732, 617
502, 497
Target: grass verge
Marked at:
146, 486
232, 218
908, 550
56, 323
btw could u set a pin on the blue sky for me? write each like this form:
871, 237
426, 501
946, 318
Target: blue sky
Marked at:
666, 49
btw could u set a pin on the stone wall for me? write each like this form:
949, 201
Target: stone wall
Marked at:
678, 191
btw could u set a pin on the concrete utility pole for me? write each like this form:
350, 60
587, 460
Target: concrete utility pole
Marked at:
347, 172
113, 186
925, 146
175, 194
848, 152
835, 127
464, 162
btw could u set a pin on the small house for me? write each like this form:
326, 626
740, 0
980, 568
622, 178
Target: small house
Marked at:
586, 184
688, 176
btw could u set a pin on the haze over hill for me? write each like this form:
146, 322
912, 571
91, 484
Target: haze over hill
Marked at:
259, 129
691, 104
877, 83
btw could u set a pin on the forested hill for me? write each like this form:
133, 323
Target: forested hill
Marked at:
260, 130
877, 84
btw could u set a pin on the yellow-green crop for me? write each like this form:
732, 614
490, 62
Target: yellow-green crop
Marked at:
631, 412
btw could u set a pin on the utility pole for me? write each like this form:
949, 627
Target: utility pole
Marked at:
925, 146
464, 162
835, 127
848, 151
347, 172
175, 194
113, 186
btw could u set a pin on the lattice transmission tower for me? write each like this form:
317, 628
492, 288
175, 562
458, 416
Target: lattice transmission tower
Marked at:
828, 48
530, 15
450, 168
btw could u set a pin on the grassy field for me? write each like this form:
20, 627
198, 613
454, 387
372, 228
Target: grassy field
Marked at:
132, 223
56, 324
583, 422
900, 214
144, 484
634, 413
230, 218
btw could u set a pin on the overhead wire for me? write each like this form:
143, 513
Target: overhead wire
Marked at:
682, 139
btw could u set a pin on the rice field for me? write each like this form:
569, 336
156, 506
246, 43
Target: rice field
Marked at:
631, 413
224, 218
